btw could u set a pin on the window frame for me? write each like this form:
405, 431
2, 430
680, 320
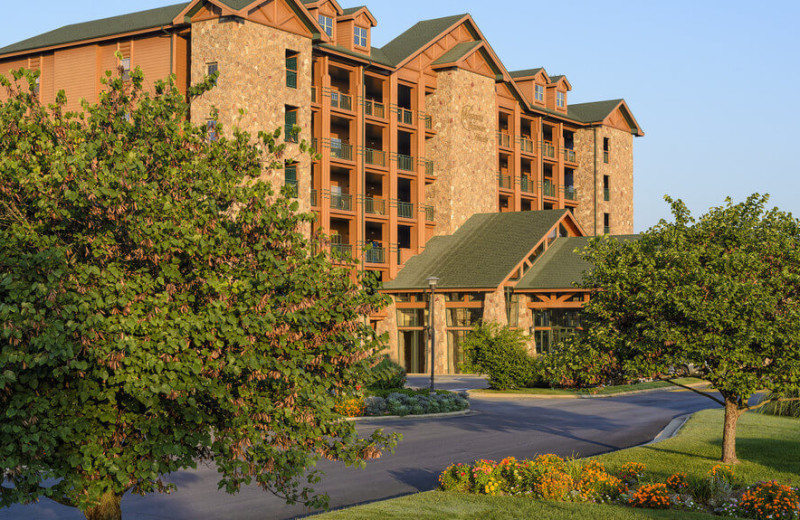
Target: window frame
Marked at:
359, 34
561, 99
538, 92
326, 22
291, 73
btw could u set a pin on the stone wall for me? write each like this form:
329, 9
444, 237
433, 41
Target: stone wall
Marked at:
465, 118
251, 60
620, 171
388, 326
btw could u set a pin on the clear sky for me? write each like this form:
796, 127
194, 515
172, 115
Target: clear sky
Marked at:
714, 85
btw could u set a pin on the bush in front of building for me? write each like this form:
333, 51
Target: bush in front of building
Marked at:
501, 354
386, 375
415, 402
575, 364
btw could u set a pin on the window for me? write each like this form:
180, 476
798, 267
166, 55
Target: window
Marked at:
551, 326
290, 123
539, 93
412, 322
561, 99
291, 69
211, 127
290, 179
327, 24
360, 37
125, 63
606, 149
606, 224
606, 188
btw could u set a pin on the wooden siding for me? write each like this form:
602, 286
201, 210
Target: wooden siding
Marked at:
153, 56
75, 73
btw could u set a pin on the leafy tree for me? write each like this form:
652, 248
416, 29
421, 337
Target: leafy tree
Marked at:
720, 294
160, 306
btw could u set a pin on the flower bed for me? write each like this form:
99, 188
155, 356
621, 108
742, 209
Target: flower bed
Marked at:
403, 402
549, 477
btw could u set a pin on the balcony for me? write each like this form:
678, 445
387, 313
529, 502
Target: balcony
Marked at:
374, 109
428, 120
313, 197
405, 209
548, 149
504, 181
569, 155
341, 101
405, 116
342, 251
341, 201
503, 140
430, 213
375, 255
374, 206
527, 185
405, 162
548, 189
527, 146
570, 193
341, 150
314, 146
374, 157
429, 169
313, 94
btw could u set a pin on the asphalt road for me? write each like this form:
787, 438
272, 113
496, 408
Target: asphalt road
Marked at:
497, 428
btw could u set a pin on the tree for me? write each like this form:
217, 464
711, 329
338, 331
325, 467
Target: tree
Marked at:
160, 306
500, 353
720, 293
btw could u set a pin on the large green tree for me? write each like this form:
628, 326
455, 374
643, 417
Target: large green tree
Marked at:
719, 294
161, 306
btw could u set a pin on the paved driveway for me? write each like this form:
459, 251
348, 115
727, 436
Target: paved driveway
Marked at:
499, 428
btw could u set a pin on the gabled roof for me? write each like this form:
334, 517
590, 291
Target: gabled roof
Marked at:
417, 37
561, 266
555, 79
126, 23
351, 12
526, 73
457, 52
480, 254
598, 111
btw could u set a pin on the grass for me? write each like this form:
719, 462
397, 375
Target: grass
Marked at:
768, 448
603, 390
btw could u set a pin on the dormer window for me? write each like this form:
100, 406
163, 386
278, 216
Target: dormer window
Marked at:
561, 99
539, 93
360, 36
327, 24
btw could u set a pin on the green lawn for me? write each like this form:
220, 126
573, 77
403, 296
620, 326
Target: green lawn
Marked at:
768, 447
605, 390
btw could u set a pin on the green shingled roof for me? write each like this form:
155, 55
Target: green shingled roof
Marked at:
525, 72
376, 54
480, 254
592, 112
417, 37
555, 78
100, 28
561, 266
456, 53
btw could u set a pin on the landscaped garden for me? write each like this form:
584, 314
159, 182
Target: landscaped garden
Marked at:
681, 476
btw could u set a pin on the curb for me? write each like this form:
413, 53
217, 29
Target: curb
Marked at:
480, 393
379, 418
670, 430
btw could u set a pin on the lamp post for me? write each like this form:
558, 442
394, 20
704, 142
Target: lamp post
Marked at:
432, 281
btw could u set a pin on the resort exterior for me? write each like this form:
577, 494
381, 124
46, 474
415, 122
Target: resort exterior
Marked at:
435, 160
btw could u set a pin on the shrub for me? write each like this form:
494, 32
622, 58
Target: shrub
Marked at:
350, 407
573, 364
598, 485
783, 408
455, 478
677, 482
386, 375
632, 471
414, 402
652, 496
770, 500
723, 473
501, 354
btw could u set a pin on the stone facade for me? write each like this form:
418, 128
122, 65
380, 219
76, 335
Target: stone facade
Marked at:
252, 63
589, 183
465, 118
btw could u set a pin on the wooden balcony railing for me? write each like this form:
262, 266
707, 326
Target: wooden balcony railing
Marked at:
313, 197
526, 145
569, 155
374, 109
548, 189
405, 116
548, 149
428, 121
313, 94
375, 255
341, 251
430, 213
429, 167
341, 150
341, 101
527, 185
570, 193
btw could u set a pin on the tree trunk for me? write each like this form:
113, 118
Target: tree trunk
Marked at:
107, 509
732, 413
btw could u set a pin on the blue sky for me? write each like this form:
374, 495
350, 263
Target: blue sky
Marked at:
713, 84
